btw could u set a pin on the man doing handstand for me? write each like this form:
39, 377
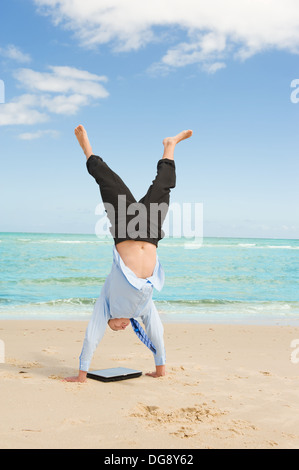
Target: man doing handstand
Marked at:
127, 292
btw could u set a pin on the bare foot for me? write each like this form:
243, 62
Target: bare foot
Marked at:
177, 138
83, 140
170, 143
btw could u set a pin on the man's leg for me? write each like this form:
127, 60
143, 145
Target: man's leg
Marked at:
165, 180
158, 193
110, 184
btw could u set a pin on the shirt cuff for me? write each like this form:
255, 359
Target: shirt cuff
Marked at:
84, 366
160, 360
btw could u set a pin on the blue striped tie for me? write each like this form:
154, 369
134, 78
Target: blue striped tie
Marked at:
142, 335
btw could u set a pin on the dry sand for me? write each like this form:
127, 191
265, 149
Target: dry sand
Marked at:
227, 386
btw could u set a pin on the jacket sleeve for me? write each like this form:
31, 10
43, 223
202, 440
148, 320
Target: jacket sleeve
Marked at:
95, 331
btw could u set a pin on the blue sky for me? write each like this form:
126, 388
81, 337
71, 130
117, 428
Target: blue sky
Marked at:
133, 76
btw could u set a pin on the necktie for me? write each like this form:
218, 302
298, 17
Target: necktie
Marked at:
142, 335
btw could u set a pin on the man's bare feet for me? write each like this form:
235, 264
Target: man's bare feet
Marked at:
170, 143
83, 140
177, 138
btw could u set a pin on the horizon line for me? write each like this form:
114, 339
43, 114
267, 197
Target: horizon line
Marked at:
165, 238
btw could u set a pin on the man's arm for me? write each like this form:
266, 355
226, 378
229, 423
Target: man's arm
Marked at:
155, 331
94, 333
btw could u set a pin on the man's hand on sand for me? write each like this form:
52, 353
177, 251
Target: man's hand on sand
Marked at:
159, 372
74, 379
81, 377
154, 374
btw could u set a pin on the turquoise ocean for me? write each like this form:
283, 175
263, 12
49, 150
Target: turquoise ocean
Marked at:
216, 280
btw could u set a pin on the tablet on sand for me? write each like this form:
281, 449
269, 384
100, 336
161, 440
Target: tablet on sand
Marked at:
116, 373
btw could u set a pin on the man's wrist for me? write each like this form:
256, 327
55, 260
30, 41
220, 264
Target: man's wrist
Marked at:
160, 370
82, 375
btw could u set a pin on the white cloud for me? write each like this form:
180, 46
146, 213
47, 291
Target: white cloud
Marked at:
38, 134
212, 68
215, 30
205, 49
14, 53
21, 110
63, 80
63, 90
63, 104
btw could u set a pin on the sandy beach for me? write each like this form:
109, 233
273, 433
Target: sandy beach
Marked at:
227, 386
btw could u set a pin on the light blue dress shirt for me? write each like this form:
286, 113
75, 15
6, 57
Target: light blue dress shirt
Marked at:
124, 295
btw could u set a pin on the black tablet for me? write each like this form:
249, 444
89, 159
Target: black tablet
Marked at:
116, 373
